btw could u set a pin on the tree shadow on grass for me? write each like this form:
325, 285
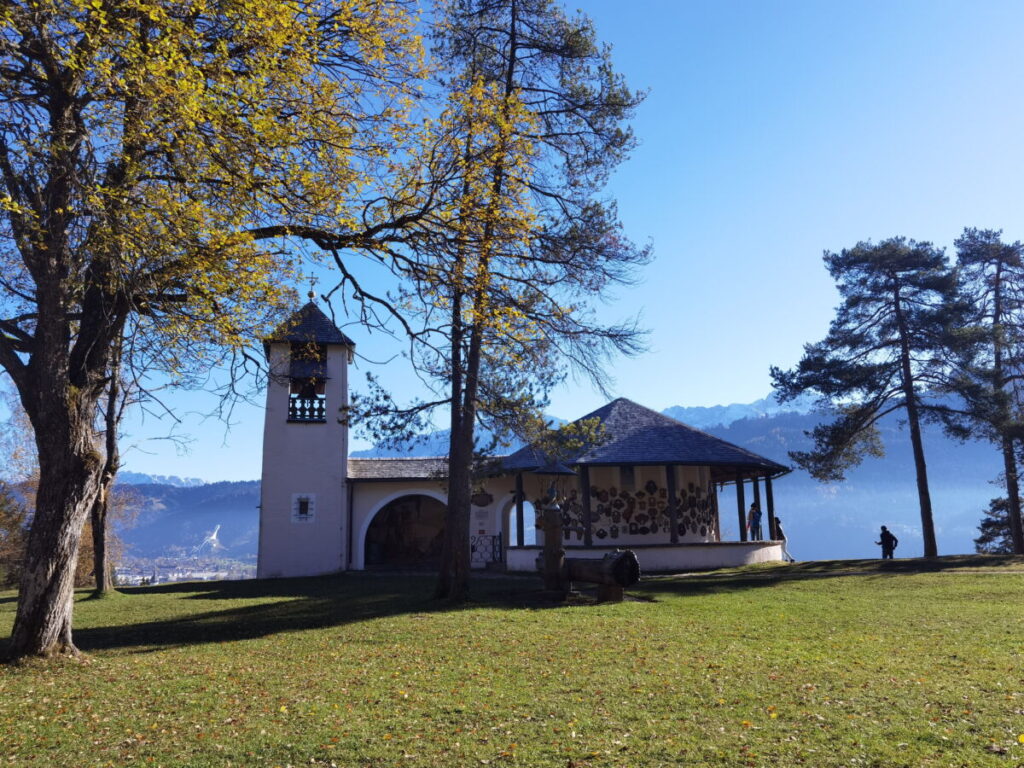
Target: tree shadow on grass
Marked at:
272, 606
758, 577
268, 607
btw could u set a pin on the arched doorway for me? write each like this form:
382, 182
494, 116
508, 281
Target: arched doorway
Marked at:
531, 535
406, 533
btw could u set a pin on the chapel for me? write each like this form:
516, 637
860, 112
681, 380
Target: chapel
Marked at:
651, 484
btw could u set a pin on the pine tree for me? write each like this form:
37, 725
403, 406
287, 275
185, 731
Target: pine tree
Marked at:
990, 352
882, 354
995, 536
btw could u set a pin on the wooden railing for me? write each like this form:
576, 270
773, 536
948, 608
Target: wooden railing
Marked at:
307, 410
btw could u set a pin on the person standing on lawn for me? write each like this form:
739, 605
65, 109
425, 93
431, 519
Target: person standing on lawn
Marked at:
888, 543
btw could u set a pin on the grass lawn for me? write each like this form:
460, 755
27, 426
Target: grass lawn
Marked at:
856, 663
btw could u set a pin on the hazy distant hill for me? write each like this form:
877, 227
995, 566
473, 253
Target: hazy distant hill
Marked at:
174, 520
842, 520
822, 521
434, 444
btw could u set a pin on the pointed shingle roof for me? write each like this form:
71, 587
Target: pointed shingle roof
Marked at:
310, 325
635, 435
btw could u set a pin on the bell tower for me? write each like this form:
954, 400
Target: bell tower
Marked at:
305, 448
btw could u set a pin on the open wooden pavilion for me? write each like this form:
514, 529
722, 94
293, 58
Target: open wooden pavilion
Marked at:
650, 484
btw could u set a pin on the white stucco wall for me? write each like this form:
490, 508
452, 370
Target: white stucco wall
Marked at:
307, 459
677, 558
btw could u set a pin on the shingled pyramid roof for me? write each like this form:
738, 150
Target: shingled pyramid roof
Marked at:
637, 436
310, 325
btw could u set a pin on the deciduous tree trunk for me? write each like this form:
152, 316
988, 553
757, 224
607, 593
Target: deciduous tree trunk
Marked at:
98, 518
454, 577
455, 566
69, 480
99, 514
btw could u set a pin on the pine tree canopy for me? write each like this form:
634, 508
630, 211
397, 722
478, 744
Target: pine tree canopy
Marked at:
881, 351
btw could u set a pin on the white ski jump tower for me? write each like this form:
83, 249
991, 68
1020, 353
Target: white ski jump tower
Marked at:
305, 448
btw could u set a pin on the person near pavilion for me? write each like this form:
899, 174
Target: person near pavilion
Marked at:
888, 543
754, 522
780, 535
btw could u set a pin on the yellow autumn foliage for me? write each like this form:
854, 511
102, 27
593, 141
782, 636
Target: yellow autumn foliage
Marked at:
188, 128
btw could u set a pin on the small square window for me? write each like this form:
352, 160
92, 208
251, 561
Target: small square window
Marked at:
303, 508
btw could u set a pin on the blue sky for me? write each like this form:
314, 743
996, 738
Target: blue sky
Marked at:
772, 131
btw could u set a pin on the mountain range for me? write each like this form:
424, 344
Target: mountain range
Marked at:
717, 416
138, 478
822, 521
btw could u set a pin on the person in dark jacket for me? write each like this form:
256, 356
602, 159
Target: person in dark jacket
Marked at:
888, 543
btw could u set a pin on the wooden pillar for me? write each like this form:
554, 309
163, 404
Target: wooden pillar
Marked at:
554, 553
504, 533
741, 504
757, 500
520, 540
770, 500
673, 503
718, 512
588, 521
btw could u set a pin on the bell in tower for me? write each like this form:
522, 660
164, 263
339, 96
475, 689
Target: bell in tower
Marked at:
307, 376
305, 448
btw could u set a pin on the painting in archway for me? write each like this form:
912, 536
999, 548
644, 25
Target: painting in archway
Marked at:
406, 533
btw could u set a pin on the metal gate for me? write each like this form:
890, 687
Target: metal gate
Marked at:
484, 549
